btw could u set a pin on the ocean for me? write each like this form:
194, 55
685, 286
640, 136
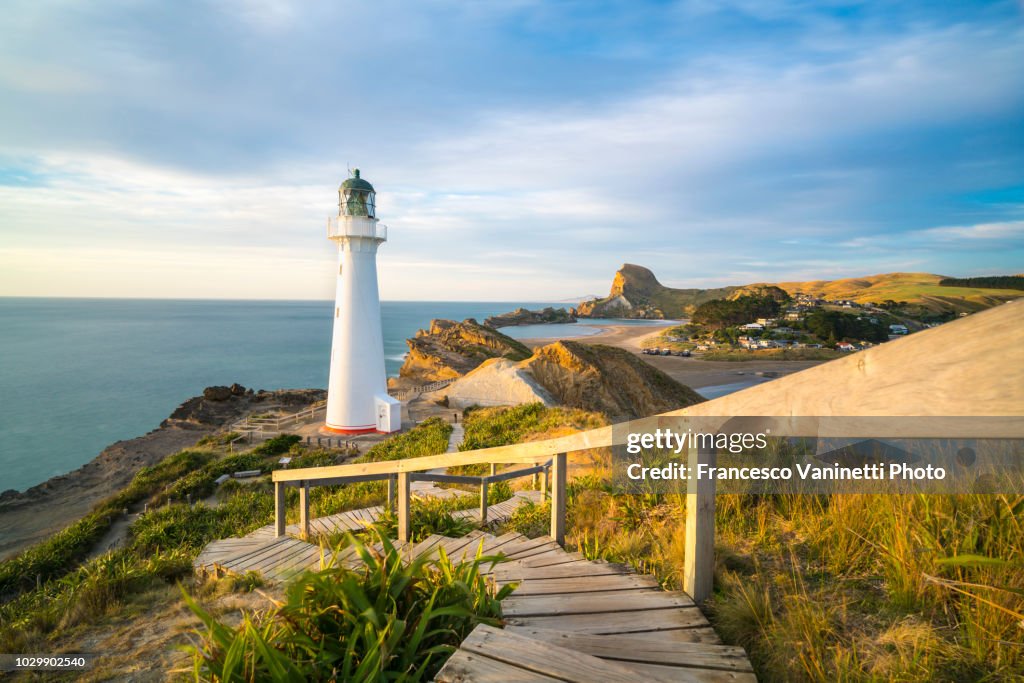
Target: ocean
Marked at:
79, 374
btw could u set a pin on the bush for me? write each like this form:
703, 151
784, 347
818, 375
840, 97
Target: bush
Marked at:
430, 437
531, 519
387, 621
427, 517
277, 445
190, 528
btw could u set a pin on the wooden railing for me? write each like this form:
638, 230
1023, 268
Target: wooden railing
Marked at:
928, 373
277, 423
412, 392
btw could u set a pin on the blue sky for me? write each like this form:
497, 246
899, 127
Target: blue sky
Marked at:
521, 150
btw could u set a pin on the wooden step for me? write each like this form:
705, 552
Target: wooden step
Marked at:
593, 603
653, 651
491, 654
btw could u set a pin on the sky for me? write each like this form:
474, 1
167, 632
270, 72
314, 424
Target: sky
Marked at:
521, 150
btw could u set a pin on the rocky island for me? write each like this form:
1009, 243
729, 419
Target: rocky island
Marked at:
523, 316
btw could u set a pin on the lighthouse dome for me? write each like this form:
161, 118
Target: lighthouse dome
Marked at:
356, 197
356, 183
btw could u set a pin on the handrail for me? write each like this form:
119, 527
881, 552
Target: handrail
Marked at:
406, 394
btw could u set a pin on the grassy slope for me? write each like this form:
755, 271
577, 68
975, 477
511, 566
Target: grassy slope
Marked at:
920, 288
82, 602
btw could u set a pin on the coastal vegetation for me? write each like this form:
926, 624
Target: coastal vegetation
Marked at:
845, 587
989, 282
389, 620
721, 313
58, 587
852, 587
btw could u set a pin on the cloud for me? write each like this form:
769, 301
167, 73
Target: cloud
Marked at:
514, 152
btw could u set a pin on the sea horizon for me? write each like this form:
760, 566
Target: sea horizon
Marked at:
81, 373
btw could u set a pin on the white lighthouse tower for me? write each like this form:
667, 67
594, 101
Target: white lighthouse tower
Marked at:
357, 397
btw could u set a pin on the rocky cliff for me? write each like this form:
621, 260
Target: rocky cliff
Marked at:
636, 293
451, 349
606, 379
523, 316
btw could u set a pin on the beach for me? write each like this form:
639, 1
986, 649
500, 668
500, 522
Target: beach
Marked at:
718, 376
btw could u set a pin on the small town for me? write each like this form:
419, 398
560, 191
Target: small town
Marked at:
810, 325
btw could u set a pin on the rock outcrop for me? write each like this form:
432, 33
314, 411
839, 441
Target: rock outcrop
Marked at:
589, 376
636, 293
606, 379
496, 382
450, 349
523, 316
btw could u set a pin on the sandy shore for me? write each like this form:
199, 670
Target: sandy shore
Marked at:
692, 372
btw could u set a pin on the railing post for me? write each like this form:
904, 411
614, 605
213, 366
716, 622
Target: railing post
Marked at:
392, 490
304, 509
699, 560
544, 483
404, 523
558, 498
279, 508
483, 499
494, 469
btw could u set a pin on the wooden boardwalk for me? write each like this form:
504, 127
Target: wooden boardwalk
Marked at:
572, 619
569, 619
279, 559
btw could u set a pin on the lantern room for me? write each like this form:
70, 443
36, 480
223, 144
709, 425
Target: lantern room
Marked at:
356, 197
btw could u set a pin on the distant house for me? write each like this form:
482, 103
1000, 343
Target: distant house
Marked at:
766, 322
752, 326
793, 316
898, 329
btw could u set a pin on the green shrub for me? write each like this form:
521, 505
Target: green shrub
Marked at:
430, 437
489, 427
387, 621
531, 519
277, 445
427, 517
190, 528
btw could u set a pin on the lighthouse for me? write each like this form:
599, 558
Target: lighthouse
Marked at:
357, 397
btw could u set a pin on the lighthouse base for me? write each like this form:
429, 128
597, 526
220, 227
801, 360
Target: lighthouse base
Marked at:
327, 430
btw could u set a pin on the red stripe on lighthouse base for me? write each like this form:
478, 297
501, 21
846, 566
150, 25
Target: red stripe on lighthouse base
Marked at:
361, 429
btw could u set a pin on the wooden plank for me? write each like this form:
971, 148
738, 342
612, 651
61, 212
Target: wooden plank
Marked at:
593, 603
633, 649
546, 659
425, 545
552, 557
511, 572
465, 667
674, 673
262, 547
619, 622
255, 560
589, 584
